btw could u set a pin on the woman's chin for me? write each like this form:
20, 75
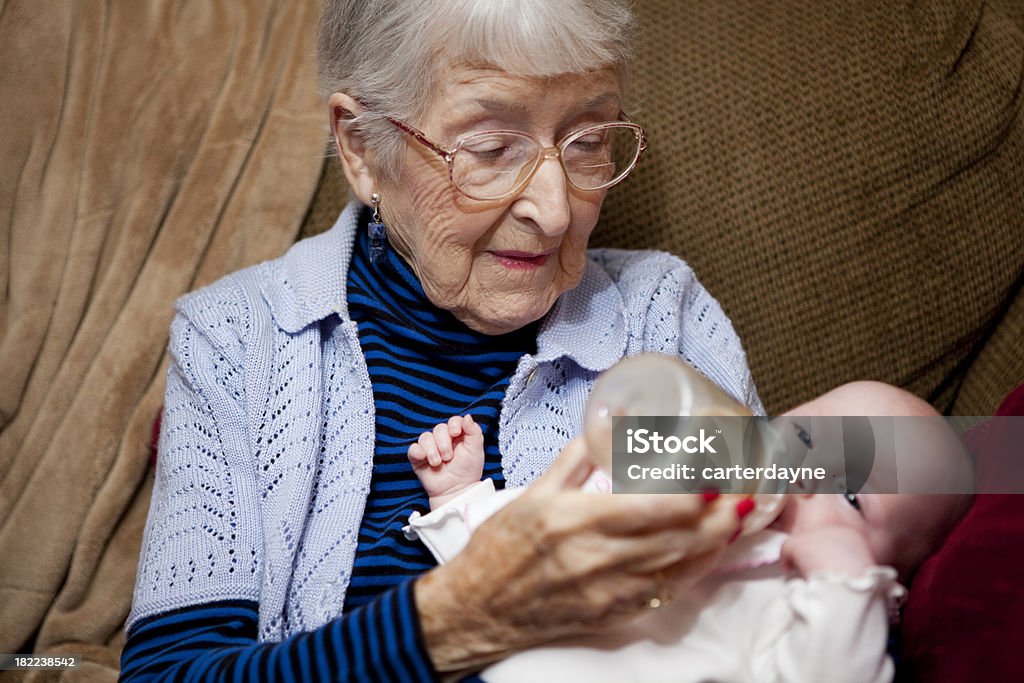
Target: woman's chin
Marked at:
496, 327
505, 319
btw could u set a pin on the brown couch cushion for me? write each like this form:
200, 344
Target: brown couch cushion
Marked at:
845, 177
147, 149
997, 365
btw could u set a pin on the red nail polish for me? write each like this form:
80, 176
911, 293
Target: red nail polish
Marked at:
744, 507
735, 535
710, 495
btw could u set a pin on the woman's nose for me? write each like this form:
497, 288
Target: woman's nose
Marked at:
544, 201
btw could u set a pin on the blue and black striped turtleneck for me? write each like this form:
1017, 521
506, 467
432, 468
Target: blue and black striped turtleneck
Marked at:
425, 366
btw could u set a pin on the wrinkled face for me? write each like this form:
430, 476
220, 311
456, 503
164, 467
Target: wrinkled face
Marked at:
498, 265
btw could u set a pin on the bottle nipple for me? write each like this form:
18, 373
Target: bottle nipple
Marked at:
768, 507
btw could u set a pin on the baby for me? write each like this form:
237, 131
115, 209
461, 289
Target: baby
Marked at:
807, 599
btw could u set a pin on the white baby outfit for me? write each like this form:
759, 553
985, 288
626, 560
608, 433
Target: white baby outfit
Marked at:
748, 621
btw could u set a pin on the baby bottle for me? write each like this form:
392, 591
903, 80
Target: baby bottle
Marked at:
652, 384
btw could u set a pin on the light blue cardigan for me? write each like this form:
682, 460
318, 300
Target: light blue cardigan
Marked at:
267, 442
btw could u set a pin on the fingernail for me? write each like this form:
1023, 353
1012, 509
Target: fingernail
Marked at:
735, 535
710, 495
744, 507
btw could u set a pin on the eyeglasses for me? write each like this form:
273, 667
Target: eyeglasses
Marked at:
496, 164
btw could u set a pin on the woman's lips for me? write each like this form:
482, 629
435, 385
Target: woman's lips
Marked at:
522, 260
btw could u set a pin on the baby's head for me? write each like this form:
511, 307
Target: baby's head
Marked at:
935, 473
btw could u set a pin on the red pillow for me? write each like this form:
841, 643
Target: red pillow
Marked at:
964, 619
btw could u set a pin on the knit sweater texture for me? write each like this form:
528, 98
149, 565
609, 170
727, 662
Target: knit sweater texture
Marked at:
266, 450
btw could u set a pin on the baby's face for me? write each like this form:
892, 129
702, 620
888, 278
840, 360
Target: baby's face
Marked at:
901, 529
815, 442
895, 527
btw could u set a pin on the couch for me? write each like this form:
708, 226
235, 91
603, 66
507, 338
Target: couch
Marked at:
846, 177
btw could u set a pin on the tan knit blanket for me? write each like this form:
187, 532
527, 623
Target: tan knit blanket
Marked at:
146, 149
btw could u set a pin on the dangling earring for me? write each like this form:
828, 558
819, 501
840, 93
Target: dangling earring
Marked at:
378, 231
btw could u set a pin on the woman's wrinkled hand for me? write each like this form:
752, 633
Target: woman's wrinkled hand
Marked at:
558, 562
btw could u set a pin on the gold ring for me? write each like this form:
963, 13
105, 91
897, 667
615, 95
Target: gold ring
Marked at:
662, 598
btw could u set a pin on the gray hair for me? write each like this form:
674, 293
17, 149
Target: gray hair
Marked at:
390, 54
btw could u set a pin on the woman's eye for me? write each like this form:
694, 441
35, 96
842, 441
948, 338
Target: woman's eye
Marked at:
851, 498
588, 143
488, 151
488, 148
804, 437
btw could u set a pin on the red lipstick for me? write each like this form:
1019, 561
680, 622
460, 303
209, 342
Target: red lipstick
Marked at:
522, 260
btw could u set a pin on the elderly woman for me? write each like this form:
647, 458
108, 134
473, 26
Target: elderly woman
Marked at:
480, 138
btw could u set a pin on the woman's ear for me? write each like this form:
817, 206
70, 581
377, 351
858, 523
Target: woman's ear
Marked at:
350, 146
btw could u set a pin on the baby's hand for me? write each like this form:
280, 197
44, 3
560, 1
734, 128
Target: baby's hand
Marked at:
448, 459
834, 549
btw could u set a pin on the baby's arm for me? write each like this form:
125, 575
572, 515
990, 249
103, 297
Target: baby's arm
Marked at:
449, 459
832, 623
449, 462
829, 627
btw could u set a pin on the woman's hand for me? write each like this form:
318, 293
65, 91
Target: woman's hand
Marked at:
558, 562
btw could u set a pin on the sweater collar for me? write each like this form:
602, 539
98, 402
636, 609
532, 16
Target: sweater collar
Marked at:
307, 284
587, 324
